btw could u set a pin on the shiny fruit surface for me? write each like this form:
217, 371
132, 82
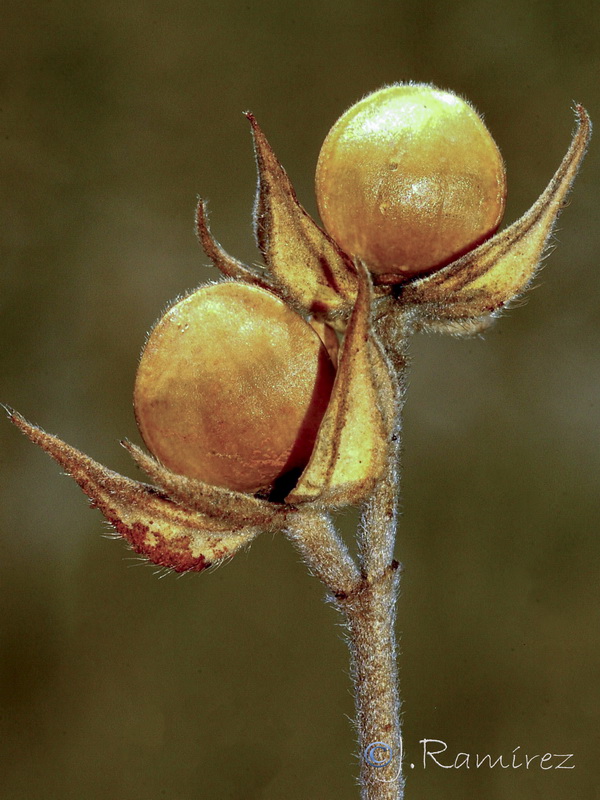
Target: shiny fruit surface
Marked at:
231, 387
409, 178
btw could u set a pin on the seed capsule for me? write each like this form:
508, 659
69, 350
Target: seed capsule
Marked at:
231, 388
409, 178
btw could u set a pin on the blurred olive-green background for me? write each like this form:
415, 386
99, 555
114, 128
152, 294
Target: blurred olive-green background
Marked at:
234, 684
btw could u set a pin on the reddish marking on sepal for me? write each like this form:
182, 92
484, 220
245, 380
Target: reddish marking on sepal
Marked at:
167, 533
175, 555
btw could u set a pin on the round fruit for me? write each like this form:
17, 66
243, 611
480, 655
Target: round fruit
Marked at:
231, 387
409, 179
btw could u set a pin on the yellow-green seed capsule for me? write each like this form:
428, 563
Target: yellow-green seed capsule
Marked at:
409, 179
231, 387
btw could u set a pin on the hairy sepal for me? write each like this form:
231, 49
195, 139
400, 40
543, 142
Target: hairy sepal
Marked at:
159, 529
352, 444
477, 286
214, 501
316, 273
230, 267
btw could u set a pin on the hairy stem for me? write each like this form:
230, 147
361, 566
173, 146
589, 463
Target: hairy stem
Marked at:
367, 596
323, 551
370, 612
368, 604
377, 533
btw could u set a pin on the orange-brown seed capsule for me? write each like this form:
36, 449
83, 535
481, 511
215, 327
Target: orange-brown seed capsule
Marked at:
409, 178
231, 387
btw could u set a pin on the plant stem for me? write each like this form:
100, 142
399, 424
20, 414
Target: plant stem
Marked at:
371, 615
370, 612
367, 596
323, 551
369, 608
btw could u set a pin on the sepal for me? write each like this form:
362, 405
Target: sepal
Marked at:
238, 508
351, 449
230, 267
315, 272
484, 280
166, 533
